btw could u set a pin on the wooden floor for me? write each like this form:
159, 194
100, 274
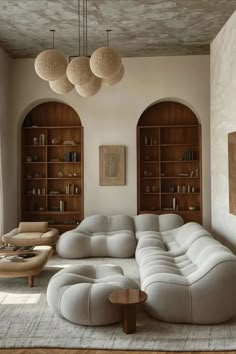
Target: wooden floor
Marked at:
94, 351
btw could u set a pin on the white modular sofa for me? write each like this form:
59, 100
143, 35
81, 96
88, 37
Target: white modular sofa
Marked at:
187, 274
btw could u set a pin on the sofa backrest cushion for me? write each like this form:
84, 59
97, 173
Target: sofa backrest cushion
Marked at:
37, 226
96, 224
158, 223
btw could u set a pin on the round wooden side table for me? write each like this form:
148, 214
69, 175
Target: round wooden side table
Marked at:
128, 298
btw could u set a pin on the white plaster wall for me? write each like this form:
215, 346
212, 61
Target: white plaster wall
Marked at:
4, 134
223, 121
111, 117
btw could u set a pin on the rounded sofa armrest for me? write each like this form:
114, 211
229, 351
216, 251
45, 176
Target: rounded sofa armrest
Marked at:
51, 233
8, 236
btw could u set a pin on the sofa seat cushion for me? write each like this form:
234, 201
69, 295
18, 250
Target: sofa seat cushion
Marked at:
80, 293
99, 236
28, 235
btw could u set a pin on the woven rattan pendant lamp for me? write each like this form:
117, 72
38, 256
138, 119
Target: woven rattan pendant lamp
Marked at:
105, 61
50, 64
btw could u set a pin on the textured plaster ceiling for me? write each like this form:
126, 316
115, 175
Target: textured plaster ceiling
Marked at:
139, 27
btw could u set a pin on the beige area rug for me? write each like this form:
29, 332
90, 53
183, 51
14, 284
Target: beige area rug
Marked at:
26, 321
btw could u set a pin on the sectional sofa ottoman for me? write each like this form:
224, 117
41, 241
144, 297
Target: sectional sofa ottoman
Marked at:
189, 276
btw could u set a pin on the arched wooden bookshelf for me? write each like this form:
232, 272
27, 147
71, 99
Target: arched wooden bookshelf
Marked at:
52, 166
169, 161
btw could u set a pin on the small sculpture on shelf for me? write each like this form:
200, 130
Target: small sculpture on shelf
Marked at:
55, 141
147, 189
35, 141
42, 139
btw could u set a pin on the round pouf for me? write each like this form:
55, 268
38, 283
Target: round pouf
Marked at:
80, 293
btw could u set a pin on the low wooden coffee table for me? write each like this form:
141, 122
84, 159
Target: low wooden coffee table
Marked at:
128, 298
29, 267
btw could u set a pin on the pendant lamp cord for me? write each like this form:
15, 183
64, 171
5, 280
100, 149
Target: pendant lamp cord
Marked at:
86, 28
108, 30
79, 27
53, 32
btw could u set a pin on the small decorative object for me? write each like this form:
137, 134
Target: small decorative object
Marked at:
42, 139
193, 189
192, 208
112, 165
35, 158
60, 174
61, 203
188, 189
184, 189
33, 191
29, 158
43, 191
183, 174
147, 190
191, 173
35, 141
174, 203
154, 189
39, 191
76, 190
55, 141
75, 174
178, 189
69, 175
145, 140
41, 209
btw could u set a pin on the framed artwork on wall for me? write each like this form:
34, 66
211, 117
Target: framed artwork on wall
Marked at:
111, 165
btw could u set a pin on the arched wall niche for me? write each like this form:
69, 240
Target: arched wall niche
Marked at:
169, 161
51, 174
173, 100
168, 112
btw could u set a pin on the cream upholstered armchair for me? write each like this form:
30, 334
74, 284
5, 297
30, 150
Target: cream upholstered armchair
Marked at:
31, 234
